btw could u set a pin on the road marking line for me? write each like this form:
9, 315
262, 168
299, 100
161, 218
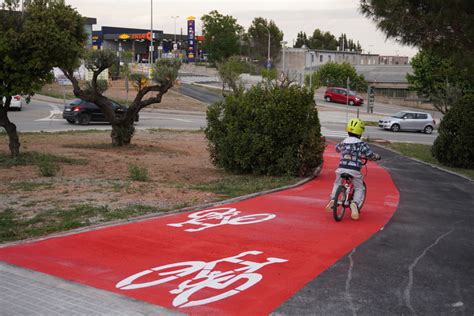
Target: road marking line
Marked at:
55, 110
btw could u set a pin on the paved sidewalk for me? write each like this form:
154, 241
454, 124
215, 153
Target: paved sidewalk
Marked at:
25, 292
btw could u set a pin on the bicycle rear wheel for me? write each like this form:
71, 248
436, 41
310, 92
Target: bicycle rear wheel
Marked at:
339, 208
363, 197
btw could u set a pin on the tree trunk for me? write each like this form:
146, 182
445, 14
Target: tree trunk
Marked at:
122, 133
10, 128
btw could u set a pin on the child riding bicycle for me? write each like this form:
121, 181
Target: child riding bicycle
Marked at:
352, 149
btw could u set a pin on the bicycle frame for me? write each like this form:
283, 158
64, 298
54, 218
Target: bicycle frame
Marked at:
346, 188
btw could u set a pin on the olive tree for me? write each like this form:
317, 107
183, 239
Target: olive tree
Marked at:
163, 76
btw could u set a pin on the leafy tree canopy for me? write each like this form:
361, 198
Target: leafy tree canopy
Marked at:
439, 79
221, 35
258, 35
325, 40
444, 27
345, 43
301, 39
335, 75
46, 34
322, 40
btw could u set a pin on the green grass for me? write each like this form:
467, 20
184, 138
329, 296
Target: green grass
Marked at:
35, 158
238, 185
13, 227
371, 123
423, 153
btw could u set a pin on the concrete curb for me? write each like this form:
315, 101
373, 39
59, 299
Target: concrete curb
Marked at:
45, 98
162, 214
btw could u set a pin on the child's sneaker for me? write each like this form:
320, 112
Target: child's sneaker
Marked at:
354, 211
330, 206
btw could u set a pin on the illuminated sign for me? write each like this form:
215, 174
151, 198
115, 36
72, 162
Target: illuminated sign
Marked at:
124, 36
191, 39
146, 36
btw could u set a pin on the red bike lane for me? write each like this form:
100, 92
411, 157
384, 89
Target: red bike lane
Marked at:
229, 262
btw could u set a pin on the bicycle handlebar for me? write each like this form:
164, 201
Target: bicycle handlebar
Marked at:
364, 160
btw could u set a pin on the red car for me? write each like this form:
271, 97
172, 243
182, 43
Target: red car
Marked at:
339, 95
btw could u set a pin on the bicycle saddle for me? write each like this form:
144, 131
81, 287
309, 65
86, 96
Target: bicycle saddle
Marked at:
346, 176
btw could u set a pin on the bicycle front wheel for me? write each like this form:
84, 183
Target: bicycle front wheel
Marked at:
339, 208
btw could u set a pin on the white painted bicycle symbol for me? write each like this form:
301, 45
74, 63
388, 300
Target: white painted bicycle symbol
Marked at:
221, 216
206, 278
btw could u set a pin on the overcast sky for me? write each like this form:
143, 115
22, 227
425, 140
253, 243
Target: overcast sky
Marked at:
291, 16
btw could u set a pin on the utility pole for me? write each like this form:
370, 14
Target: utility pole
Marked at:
347, 100
175, 17
268, 49
311, 70
151, 36
283, 43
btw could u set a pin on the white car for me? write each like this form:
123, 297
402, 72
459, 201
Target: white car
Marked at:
409, 121
16, 103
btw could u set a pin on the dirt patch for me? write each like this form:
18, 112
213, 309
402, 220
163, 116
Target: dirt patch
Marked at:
175, 161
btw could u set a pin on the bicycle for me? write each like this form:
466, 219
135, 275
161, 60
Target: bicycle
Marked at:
345, 193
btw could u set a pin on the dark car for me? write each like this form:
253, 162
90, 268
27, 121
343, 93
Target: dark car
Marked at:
339, 95
84, 112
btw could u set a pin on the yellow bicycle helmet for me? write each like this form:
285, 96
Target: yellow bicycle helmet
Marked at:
356, 126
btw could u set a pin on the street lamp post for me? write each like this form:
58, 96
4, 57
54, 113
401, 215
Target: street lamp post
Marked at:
283, 43
151, 35
311, 70
268, 50
175, 43
175, 17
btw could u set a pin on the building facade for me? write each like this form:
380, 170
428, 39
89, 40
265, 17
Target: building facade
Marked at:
386, 74
138, 42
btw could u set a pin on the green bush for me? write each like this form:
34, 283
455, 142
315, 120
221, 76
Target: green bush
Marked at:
138, 173
267, 130
47, 167
454, 145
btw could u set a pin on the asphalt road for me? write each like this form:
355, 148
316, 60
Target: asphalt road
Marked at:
47, 116
200, 94
420, 263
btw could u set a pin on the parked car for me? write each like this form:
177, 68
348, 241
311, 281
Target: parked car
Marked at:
83, 112
339, 95
16, 103
409, 121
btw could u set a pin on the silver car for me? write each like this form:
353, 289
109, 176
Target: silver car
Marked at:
408, 121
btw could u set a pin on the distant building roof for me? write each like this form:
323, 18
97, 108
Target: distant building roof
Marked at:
385, 73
